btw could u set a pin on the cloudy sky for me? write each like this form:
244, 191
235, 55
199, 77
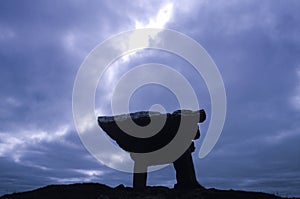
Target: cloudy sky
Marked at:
255, 45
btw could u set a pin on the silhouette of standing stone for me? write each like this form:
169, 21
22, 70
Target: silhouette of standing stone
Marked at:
185, 172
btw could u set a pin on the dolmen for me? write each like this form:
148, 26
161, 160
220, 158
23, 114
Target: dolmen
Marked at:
154, 138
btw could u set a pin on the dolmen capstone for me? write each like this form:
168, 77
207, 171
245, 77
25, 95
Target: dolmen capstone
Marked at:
175, 130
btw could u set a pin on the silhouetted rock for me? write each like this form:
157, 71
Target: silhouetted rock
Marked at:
143, 145
160, 131
99, 191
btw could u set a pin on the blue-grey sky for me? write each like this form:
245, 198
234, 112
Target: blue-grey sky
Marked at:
255, 44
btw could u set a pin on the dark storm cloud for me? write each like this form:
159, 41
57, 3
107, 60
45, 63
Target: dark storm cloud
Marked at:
44, 162
35, 60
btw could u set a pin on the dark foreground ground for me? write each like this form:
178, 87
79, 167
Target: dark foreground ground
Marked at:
100, 191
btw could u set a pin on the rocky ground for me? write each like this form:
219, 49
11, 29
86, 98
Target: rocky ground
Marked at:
100, 191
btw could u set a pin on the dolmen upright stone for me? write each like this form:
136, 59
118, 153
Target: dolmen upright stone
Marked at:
148, 146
